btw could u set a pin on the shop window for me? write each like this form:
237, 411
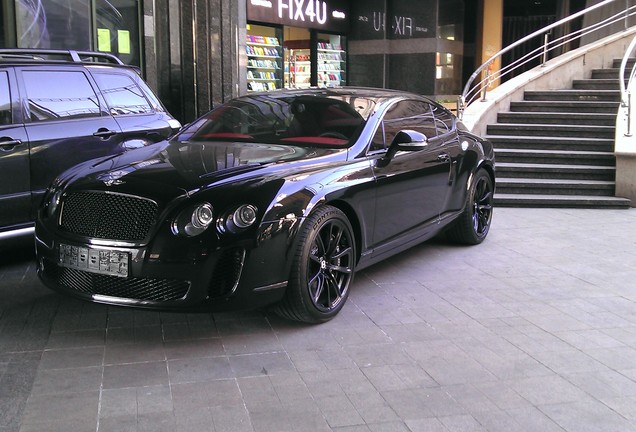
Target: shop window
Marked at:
53, 24
5, 100
71, 97
122, 95
117, 24
110, 26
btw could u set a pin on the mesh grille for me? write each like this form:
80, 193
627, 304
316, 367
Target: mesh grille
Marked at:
227, 272
157, 290
108, 216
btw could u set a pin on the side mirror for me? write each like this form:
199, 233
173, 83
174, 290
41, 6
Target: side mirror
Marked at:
405, 140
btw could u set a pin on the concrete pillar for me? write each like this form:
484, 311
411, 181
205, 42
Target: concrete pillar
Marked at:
491, 32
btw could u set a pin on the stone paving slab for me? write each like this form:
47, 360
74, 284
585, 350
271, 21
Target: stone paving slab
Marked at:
534, 330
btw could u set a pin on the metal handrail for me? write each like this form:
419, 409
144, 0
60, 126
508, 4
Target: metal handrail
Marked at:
626, 84
473, 90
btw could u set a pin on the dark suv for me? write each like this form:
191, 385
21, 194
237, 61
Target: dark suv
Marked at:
60, 108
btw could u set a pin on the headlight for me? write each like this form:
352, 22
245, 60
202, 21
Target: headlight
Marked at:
244, 216
51, 201
193, 220
239, 219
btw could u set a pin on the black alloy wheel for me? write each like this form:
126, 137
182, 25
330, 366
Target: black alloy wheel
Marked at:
482, 206
322, 268
472, 226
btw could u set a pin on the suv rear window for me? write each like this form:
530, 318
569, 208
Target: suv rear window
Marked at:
55, 95
122, 94
5, 101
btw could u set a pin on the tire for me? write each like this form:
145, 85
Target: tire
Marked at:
473, 224
322, 268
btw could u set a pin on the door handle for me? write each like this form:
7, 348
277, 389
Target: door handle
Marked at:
444, 157
7, 144
104, 133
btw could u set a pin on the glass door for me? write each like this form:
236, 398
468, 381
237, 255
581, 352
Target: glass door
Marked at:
298, 57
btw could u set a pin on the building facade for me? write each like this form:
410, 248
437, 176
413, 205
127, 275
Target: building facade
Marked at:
198, 53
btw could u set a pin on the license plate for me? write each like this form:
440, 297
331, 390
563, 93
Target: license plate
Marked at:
102, 261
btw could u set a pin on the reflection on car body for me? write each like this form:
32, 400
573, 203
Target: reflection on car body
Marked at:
268, 200
59, 108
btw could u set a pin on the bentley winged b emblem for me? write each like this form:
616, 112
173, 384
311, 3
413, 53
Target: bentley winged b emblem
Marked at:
113, 178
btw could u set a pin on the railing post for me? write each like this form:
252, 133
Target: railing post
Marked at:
460, 107
629, 115
545, 48
485, 87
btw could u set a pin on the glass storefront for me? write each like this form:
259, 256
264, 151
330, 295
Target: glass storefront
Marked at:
296, 44
293, 57
101, 25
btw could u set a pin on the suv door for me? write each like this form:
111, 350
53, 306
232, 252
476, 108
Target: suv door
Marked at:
67, 124
15, 189
140, 115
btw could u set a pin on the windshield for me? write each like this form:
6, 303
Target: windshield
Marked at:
309, 120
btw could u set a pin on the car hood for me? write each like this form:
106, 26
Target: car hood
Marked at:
188, 166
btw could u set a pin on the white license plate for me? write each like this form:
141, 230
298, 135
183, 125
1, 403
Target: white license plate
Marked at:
103, 261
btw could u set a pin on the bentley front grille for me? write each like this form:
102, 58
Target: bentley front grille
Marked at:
110, 216
144, 289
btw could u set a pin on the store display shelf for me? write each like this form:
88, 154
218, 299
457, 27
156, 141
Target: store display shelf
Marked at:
262, 56
263, 45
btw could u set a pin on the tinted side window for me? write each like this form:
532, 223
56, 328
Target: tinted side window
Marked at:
55, 95
409, 114
5, 100
444, 120
122, 94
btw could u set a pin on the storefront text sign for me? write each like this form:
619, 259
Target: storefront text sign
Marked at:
331, 15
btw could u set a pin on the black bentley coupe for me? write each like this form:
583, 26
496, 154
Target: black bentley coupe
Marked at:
270, 199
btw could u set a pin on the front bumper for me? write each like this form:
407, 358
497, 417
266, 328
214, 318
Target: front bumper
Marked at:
170, 274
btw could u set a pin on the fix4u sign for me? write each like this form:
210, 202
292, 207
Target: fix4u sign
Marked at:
331, 15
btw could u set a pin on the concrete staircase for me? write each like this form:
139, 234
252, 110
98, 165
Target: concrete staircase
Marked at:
555, 148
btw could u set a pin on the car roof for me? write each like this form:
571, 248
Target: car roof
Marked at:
346, 91
336, 91
32, 56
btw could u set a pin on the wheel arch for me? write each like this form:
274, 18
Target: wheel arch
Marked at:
352, 216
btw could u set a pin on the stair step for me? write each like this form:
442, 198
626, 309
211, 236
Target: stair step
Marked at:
556, 171
596, 84
551, 143
606, 73
556, 147
549, 130
562, 118
560, 201
565, 106
573, 95
558, 157
616, 63
554, 187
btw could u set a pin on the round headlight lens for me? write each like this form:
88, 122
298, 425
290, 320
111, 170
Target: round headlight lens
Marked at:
202, 216
239, 219
244, 216
193, 220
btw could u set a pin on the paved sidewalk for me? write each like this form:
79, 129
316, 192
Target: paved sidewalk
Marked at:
534, 330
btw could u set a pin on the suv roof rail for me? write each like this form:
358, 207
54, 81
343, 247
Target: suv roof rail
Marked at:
66, 55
